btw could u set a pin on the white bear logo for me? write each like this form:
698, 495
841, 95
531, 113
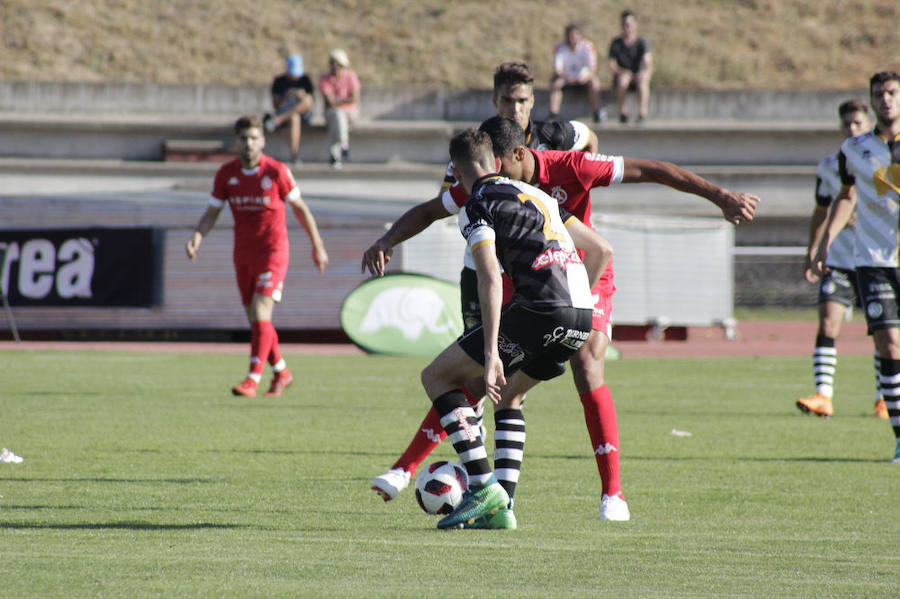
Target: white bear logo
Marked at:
410, 309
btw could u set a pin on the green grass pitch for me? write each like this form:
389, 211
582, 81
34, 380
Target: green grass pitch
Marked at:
144, 477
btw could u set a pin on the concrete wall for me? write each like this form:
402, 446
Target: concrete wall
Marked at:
407, 103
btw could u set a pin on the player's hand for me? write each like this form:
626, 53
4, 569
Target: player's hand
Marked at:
320, 258
494, 379
376, 258
808, 273
191, 249
818, 268
739, 206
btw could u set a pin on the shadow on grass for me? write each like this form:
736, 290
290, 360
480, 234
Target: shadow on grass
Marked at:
171, 481
659, 458
114, 526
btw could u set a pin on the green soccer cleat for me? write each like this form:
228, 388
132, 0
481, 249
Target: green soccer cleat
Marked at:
502, 519
476, 502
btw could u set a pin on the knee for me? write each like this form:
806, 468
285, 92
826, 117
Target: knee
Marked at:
556, 83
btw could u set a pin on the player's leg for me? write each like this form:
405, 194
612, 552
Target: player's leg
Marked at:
588, 372
426, 438
430, 433
259, 313
442, 380
880, 289
824, 360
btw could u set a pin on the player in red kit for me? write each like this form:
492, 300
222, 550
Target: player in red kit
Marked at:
258, 188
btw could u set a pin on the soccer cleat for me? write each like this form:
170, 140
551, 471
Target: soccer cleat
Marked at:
390, 483
896, 459
487, 500
280, 381
614, 508
502, 519
8, 457
881, 409
816, 404
247, 388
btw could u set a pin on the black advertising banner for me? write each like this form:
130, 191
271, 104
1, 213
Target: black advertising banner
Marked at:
82, 267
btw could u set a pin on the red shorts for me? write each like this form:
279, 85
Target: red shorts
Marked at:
264, 275
602, 311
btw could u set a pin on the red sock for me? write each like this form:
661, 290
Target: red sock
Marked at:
473, 401
429, 436
274, 353
261, 335
600, 417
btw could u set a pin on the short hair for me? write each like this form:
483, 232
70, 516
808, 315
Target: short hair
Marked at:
572, 27
512, 73
506, 134
851, 106
883, 77
627, 13
469, 147
248, 121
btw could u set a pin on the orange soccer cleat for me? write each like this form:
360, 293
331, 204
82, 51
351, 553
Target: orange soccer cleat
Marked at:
816, 404
881, 409
247, 388
280, 381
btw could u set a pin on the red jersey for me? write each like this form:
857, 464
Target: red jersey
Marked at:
257, 199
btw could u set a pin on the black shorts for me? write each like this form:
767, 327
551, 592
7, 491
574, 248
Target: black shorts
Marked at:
879, 288
537, 342
839, 285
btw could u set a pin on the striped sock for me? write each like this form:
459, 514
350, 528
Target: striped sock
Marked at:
509, 445
824, 363
890, 389
876, 361
459, 421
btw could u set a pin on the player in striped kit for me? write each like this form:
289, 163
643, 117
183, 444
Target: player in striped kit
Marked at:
837, 289
515, 225
870, 180
258, 188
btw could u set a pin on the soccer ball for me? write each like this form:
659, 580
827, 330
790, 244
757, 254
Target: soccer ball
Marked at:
440, 487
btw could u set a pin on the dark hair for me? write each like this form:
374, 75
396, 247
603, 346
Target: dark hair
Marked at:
627, 13
572, 27
851, 106
469, 146
506, 134
512, 73
248, 121
883, 77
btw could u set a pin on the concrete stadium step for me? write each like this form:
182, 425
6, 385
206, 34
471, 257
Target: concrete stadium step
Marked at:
144, 137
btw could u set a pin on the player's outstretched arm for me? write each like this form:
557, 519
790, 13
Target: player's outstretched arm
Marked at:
490, 295
206, 223
308, 222
411, 223
598, 252
839, 215
735, 206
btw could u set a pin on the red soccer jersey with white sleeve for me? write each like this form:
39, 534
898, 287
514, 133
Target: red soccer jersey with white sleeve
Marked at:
257, 199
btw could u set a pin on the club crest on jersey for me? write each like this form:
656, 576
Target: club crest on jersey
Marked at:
266, 182
233, 181
559, 194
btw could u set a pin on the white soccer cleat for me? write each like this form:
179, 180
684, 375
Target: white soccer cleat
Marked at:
613, 507
8, 457
390, 483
